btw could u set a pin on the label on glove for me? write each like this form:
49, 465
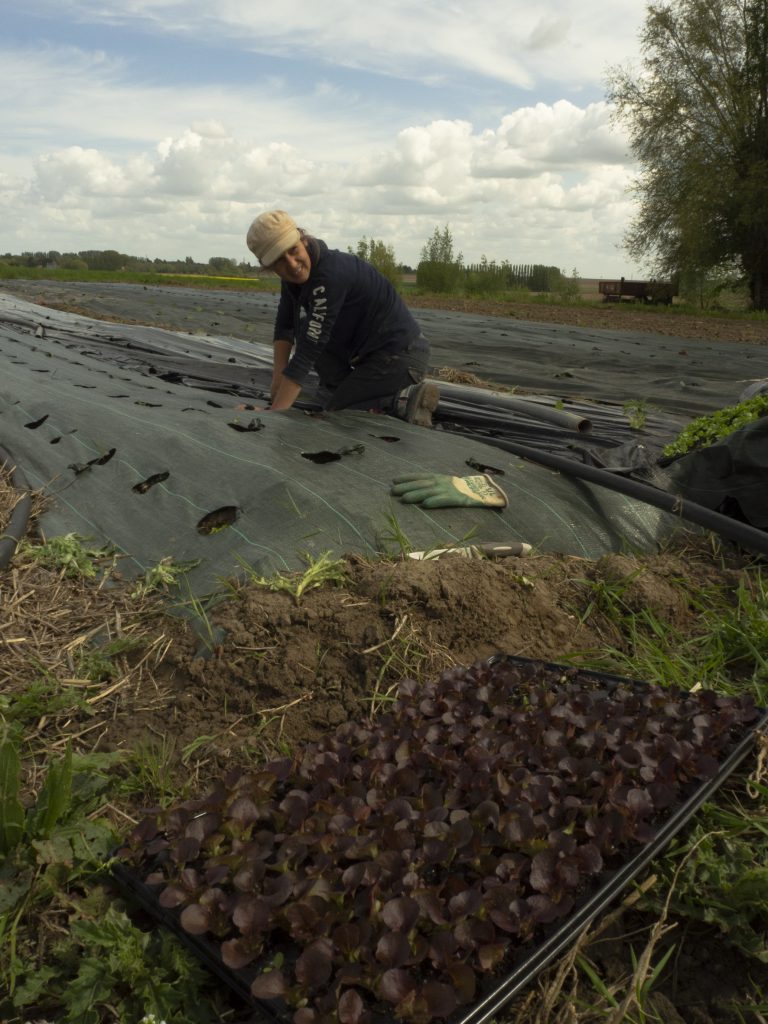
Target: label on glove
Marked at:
482, 488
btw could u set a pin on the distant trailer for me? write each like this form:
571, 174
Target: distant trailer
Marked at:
655, 292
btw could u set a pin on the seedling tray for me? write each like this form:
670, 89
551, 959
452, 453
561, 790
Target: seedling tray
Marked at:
523, 960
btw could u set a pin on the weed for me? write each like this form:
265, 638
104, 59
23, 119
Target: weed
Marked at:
164, 575
407, 654
11, 809
66, 553
199, 608
394, 535
190, 749
644, 981
129, 972
48, 845
95, 666
726, 883
268, 732
728, 652
607, 596
321, 570
757, 1007
151, 770
636, 410
43, 697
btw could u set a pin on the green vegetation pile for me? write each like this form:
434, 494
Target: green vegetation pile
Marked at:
706, 430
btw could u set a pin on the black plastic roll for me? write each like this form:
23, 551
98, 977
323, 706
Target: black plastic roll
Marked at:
506, 404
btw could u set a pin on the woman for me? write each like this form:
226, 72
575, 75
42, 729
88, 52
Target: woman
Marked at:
339, 316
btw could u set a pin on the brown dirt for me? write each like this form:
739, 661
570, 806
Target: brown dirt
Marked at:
293, 670
624, 316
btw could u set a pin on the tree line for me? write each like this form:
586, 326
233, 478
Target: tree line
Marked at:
441, 268
111, 259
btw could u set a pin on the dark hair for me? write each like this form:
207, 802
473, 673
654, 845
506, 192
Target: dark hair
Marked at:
311, 243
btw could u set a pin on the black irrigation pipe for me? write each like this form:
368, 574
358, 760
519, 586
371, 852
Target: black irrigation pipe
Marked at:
749, 537
19, 520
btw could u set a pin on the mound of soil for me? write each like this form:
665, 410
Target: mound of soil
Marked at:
296, 668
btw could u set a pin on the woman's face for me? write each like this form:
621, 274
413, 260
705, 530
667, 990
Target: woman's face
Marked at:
294, 265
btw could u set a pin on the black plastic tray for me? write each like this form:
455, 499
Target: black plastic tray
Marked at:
523, 972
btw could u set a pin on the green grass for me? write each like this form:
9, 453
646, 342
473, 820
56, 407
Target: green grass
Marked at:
728, 651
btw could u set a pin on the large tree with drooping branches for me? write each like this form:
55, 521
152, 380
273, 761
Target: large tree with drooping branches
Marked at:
697, 115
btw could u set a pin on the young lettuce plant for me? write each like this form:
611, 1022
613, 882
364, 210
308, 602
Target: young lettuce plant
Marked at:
401, 861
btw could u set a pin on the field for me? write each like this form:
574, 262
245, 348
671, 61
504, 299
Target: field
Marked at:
110, 705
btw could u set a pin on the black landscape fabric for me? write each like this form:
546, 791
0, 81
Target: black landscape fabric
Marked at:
133, 431
730, 475
683, 378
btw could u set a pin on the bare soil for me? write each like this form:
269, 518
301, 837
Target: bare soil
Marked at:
620, 316
264, 671
101, 302
288, 671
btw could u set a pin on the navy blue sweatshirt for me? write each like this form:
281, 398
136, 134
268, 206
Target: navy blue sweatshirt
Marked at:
346, 307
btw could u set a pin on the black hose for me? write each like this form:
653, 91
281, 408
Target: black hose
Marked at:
749, 537
19, 521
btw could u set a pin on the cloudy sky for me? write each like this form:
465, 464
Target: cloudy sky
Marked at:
160, 128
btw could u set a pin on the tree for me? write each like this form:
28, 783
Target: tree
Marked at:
439, 270
222, 265
103, 259
380, 256
439, 248
697, 115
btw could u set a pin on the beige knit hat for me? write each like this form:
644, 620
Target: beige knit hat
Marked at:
270, 235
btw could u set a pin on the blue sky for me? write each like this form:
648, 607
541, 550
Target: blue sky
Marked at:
162, 127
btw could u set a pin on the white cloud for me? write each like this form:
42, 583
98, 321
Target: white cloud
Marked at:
561, 135
75, 171
548, 32
98, 153
198, 190
68, 94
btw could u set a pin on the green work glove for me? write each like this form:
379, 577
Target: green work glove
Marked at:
434, 490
